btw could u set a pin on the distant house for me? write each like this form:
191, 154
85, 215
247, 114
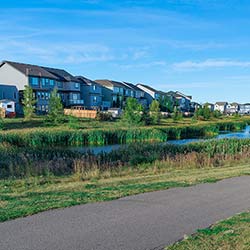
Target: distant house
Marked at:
209, 105
183, 101
244, 108
150, 93
221, 106
137, 93
194, 106
232, 108
42, 80
9, 107
113, 92
91, 93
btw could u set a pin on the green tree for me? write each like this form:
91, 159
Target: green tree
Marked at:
154, 111
177, 115
28, 102
55, 114
166, 103
133, 112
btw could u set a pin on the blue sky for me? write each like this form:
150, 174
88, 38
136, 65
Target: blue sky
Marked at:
199, 47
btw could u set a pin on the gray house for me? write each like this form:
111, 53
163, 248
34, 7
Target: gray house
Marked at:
91, 93
113, 93
42, 80
150, 93
244, 109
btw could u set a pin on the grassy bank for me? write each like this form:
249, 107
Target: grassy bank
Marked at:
24, 134
27, 196
230, 234
17, 162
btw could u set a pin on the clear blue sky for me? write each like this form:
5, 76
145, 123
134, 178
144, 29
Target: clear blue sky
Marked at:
200, 47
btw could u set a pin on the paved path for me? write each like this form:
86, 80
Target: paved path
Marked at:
145, 221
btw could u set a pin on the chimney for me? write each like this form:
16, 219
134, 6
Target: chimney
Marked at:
27, 71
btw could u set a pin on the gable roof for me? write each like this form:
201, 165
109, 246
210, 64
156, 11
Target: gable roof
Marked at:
86, 81
61, 74
110, 83
148, 87
30, 70
221, 103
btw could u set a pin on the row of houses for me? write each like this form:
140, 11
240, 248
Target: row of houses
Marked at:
230, 108
78, 90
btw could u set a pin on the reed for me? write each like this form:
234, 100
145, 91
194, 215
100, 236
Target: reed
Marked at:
18, 162
66, 137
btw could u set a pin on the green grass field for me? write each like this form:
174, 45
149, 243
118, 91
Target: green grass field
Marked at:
35, 194
230, 234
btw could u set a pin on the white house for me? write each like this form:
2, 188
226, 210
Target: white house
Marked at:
8, 106
220, 106
232, 108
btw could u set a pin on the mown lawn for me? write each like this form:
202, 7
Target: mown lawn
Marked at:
32, 195
230, 234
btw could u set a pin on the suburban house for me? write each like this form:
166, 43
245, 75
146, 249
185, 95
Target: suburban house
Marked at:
113, 92
136, 93
91, 93
150, 93
221, 106
209, 105
232, 108
194, 106
42, 80
183, 101
244, 108
9, 107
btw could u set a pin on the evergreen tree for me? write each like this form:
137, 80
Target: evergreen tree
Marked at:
154, 111
28, 102
55, 114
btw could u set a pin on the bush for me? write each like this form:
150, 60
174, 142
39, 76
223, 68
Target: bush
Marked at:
104, 116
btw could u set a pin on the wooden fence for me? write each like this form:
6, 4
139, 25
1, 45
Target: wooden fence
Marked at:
2, 113
81, 113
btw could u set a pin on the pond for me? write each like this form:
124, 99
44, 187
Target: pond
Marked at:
244, 134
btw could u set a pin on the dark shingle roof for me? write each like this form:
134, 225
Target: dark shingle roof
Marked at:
62, 74
86, 80
132, 86
110, 83
31, 70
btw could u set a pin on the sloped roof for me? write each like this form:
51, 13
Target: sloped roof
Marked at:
62, 74
86, 80
31, 70
221, 103
132, 86
148, 87
110, 83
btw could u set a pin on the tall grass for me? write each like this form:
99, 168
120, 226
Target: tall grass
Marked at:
20, 162
43, 137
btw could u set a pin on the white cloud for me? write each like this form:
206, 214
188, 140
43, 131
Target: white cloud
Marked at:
209, 63
144, 65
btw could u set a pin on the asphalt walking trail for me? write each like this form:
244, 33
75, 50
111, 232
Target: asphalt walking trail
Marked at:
141, 222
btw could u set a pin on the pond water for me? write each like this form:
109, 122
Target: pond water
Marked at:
244, 134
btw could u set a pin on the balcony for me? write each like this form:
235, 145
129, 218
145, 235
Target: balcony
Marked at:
75, 102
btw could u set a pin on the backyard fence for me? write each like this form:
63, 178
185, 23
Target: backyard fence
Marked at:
81, 113
2, 113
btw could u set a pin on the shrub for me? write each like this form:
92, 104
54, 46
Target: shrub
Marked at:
154, 111
104, 116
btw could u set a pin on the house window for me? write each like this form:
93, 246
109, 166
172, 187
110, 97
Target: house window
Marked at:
95, 99
74, 96
77, 85
9, 106
51, 83
59, 84
94, 87
46, 95
34, 81
38, 95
